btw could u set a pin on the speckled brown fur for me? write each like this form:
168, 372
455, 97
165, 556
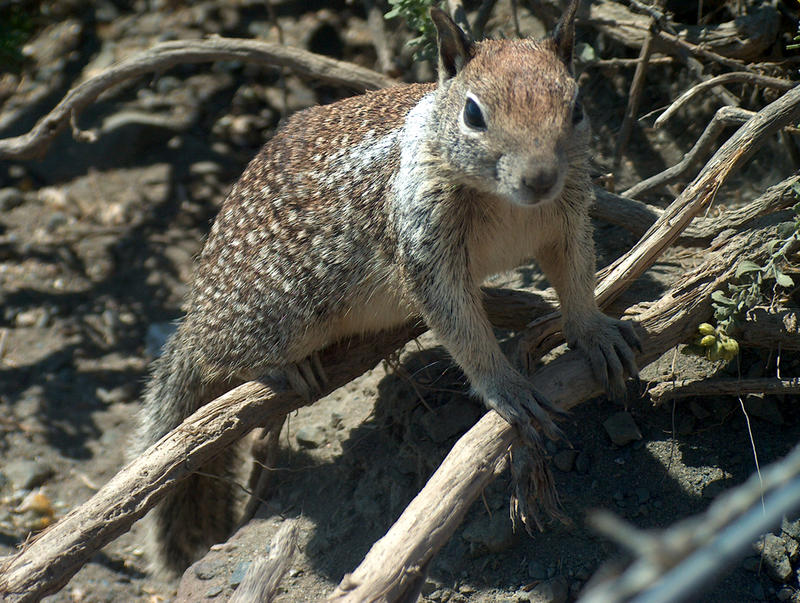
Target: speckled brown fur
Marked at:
363, 213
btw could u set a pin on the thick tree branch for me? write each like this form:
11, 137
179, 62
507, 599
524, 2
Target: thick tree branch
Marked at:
166, 55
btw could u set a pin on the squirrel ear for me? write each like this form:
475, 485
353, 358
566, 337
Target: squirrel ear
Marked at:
454, 45
564, 34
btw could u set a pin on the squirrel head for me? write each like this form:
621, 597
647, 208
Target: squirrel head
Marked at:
508, 119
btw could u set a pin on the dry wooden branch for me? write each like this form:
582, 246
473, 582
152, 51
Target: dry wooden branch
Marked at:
744, 77
165, 55
696, 197
635, 94
724, 117
637, 217
393, 565
744, 39
765, 328
670, 390
680, 561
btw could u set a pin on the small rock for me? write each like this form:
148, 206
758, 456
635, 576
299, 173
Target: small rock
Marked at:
792, 548
207, 569
621, 428
583, 463
791, 528
26, 474
10, 198
776, 562
238, 573
214, 591
785, 594
552, 591
466, 589
565, 460
310, 436
429, 587
494, 533
537, 571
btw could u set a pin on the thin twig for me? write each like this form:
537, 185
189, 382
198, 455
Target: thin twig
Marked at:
724, 117
634, 96
745, 77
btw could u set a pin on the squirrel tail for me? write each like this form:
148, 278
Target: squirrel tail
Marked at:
200, 510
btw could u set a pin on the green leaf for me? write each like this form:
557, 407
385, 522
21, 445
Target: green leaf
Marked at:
746, 266
784, 280
720, 298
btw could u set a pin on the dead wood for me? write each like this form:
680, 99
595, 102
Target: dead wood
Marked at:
635, 94
166, 55
392, 565
723, 118
744, 39
670, 390
742, 77
637, 216
765, 328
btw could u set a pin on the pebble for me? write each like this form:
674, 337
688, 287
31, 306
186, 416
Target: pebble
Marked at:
785, 594
310, 436
10, 198
621, 428
207, 569
214, 591
552, 591
26, 474
238, 573
791, 528
565, 460
776, 563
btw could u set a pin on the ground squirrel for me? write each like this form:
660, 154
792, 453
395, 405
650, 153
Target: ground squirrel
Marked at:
361, 214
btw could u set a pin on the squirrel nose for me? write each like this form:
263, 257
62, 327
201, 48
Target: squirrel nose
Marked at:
541, 181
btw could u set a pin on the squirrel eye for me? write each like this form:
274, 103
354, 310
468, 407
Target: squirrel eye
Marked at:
577, 113
473, 116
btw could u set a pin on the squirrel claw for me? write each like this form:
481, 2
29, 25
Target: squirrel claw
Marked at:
307, 377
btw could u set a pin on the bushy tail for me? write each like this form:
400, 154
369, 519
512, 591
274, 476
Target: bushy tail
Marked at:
200, 511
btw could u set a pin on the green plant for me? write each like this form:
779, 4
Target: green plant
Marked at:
796, 39
745, 291
416, 15
15, 29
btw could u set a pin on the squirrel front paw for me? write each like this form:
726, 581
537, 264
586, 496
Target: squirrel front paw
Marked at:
609, 343
520, 404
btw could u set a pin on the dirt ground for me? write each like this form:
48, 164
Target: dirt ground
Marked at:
96, 249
